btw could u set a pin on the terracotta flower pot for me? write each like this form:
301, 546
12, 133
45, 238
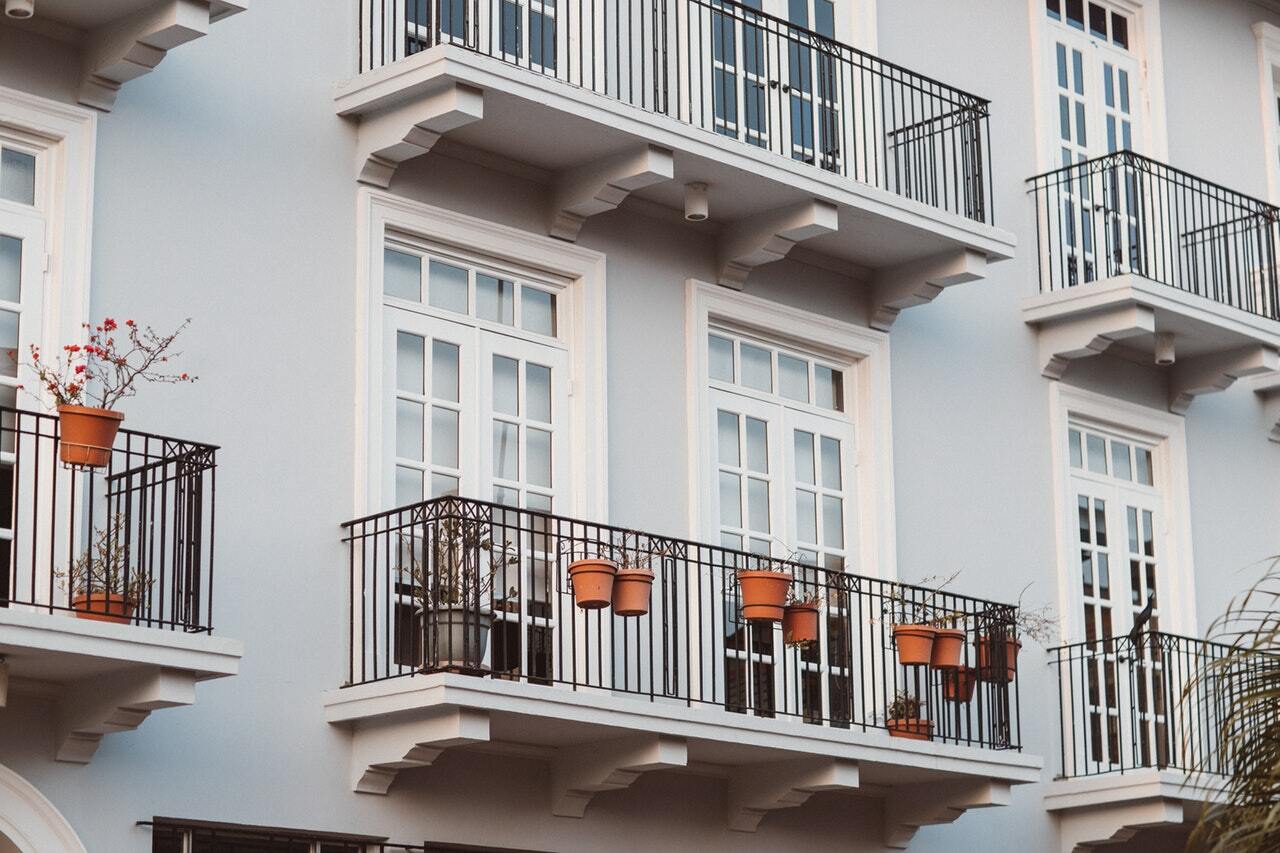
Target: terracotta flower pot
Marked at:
958, 684
990, 666
631, 588
800, 624
103, 607
763, 594
592, 581
910, 729
915, 644
86, 435
948, 645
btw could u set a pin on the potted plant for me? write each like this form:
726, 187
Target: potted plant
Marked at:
88, 380
902, 718
633, 583
948, 640
800, 618
592, 579
958, 684
102, 584
764, 590
997, 646
913, 618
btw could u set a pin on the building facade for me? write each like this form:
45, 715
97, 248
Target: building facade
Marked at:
946, 313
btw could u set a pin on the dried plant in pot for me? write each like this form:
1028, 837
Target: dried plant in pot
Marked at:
958, 684
902, 718
102, 584
912, 610
999, 641
800, 618
592, 577
87, 381
633, 583
948, 639
765, 589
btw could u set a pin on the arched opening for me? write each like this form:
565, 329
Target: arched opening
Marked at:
29, 823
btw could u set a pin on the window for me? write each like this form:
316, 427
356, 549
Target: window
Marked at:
168, 836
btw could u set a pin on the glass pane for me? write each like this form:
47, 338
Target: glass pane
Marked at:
1120, 29
1133, 529
505, 496
495, 299
830, 462
1100, 521
1082, 508
727, 438
757, 368
506, 451
1148, 534
720, 358
444, 371
8, 341
1144, 466
1104, 575
401, 275
793, 378
758, 505
541, 503
805, 468
829, 388
806, 516
10, 268
447, 287
444, 437
538, 458
832, 522
408, 485
538, 311
409, 427
1073, 442
17, 176
409, 370
757, 446
506, 385
730, 500
537, 392
1097, 454
1120, 460
442, 485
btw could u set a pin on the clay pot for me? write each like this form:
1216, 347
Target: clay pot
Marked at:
592, 581
990, 667
800, 624
103, 607
763, 594
948, 645
86, 435
910, 729
915, 644
958, 684
631, 588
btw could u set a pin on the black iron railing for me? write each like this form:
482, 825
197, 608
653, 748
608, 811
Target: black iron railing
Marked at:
464, 585
1154, 700
141, 527
173, 835
729, 69
1125, 213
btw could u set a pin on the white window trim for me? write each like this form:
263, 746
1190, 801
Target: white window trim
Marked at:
870, 407
1267, 37
67, 137
1147, 47
584, 299
1167, 434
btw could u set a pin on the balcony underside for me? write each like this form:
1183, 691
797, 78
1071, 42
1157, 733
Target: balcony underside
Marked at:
104, 677
1214, 344
1138, 810
596, 741
595, 152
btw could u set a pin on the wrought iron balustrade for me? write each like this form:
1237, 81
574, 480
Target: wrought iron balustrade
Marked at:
1125, 213
1153, 700
409, 576
729, 69
146, 520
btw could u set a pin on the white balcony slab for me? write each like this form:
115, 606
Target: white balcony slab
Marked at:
597, 740
1215, 344
105, 677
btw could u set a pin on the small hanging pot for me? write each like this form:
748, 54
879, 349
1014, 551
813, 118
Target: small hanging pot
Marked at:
958, 684
997, 660
948, 645
85, 435
631, 590
915, 644
763, 594
592, 581
800, 624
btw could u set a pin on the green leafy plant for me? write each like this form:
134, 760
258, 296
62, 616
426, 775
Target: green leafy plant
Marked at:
103, 567
903, 707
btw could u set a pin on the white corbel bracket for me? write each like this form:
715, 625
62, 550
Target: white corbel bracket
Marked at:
387, 139
919, 283
756, 790
380, 750
601, 186
1268, 388
913, 806
1209, 373
134, 45
769, 236
100, 706
578, 773
1065, 341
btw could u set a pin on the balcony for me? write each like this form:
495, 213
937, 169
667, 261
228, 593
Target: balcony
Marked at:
145, 523
798, 138
689, 684
1155, 266
121, 40
1140, 748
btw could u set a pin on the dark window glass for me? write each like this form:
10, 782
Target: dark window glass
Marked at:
1075, 13
1054, 8
1097, 20
1120, 30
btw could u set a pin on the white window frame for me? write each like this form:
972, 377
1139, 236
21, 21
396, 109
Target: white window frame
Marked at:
1166, 433
869, 407
583, 331
1152, 137
1267, 37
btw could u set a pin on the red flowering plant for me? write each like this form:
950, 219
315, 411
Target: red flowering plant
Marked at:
106, 367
